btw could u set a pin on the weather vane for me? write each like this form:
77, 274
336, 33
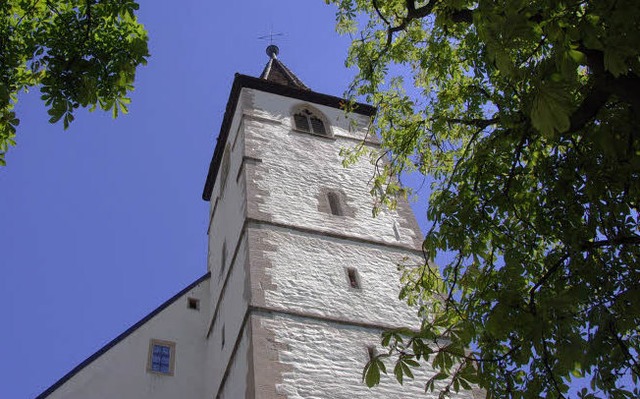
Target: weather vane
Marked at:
272, 49
270, 36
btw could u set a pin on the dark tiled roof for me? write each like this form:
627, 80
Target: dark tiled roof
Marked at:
275, 71
120, 337
292, 91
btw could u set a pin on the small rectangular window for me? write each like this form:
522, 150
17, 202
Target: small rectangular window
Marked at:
354, 280
161, 357
193, 303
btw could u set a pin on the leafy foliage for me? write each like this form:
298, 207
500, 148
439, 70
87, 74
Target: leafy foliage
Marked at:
525, 113
77, 52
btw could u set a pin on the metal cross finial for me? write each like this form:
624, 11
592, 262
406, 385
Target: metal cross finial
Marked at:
272, 49
270, 36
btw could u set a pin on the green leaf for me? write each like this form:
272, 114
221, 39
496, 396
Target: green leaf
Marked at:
551, 109
524, 214
372, 374
48, 47
397, 371
406, 370
578, 56
411, 363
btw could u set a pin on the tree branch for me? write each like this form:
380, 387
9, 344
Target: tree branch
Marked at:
27, 12
375, 7
589, 108
626, 87
547, 366
543, 279
88, 15
462, 16
516, 159
412, 13
630, 240
635, 368
480, 123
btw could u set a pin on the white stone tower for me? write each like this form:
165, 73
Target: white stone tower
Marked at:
301, 279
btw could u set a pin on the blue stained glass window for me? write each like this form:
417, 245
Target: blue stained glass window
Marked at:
161, 359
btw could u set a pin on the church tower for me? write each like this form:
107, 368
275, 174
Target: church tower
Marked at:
301, 279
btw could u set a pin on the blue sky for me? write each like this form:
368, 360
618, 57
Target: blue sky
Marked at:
103, 222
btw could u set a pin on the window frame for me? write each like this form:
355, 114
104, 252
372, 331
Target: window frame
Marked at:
312, 113
172, 356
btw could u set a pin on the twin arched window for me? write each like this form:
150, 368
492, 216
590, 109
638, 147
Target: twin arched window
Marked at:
307, 121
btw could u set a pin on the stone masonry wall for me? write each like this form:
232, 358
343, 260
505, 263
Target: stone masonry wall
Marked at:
307, 273
310, 328
297, 167
325, 360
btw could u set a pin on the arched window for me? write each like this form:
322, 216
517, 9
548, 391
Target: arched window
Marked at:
307, 121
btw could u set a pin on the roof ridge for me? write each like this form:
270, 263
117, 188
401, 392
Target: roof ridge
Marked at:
291, 75
276, 71
121, 337
266, 70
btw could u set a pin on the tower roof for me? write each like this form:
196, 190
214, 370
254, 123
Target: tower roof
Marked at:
275, 71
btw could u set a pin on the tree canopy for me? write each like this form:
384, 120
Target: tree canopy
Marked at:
525, 115
79, 53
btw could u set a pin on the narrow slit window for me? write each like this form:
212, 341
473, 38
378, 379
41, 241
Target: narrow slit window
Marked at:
222, 344
334, 204
223, 260
224, 171
395, 231
354, 280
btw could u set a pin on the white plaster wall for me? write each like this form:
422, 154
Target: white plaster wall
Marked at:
235, 386
226, 223
296, 166
228, 287
231, 313
121, 372
327, 360
308, 271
